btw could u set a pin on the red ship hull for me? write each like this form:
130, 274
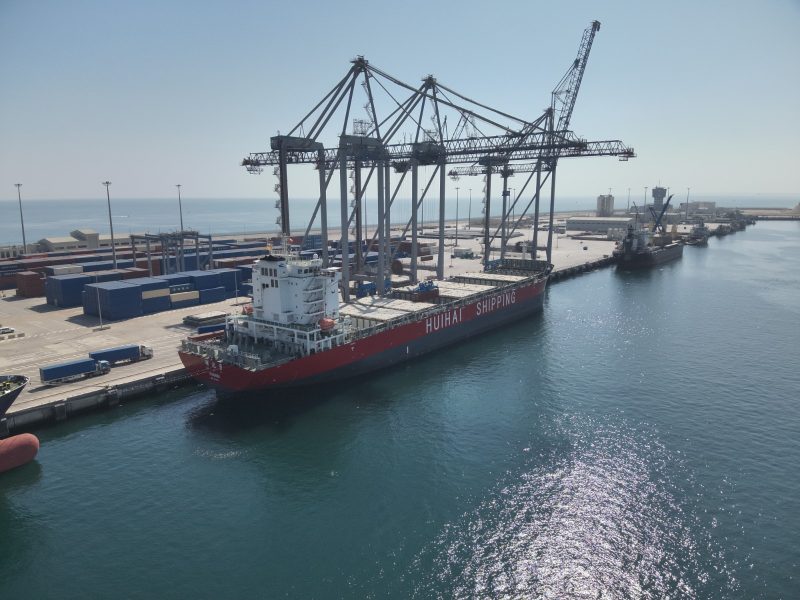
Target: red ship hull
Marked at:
382, 349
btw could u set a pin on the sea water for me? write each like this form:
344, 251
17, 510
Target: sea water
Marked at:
45, 218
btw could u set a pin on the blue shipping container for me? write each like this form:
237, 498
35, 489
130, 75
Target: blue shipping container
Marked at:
175, 278
154, 305
110, 275
149, 283
103, 265
65, 290
205, 279
231, 278
118, 299
119, 353
67, 369
210, 295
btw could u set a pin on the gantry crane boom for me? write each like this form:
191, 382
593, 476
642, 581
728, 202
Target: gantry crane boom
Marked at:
566, 92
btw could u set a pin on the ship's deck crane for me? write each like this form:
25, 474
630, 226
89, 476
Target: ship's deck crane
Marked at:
657, 218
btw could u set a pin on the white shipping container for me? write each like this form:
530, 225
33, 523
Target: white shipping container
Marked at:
67, 269
147, 294
181, 296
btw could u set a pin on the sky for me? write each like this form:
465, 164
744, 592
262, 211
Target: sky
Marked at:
148, 94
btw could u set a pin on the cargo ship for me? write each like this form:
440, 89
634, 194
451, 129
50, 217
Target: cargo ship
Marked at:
640, 248
699, 235
298, 332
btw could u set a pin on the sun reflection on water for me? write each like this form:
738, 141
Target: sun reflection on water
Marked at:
596, 518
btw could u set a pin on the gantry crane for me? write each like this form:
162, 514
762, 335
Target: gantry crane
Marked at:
483, 138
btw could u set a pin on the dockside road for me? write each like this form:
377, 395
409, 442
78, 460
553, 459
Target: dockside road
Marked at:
45, 335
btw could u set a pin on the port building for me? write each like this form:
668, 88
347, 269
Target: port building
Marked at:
599, 225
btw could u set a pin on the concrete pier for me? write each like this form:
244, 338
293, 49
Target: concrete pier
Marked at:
46, 335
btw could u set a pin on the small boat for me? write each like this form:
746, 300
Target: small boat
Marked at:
16, 450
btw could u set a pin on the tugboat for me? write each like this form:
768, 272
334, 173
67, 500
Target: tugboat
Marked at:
16, 450
641, 248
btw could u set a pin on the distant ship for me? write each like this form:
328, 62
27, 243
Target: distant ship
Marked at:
699, 235
640, 248
16, 450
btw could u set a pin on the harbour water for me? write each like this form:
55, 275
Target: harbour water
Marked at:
638, 439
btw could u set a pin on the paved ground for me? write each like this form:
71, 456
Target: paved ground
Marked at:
55, 335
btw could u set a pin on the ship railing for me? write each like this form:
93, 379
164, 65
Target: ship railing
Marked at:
317, 301
418, 315
245, 360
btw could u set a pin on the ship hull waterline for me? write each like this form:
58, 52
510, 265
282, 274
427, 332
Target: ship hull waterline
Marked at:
374, 352
645, 260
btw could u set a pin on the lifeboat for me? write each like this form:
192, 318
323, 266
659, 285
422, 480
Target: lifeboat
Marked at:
326, 323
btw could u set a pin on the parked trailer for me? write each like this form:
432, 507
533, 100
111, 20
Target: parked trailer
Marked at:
129, 353
73, 370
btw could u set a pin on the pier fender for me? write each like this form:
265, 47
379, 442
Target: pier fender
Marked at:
18, 450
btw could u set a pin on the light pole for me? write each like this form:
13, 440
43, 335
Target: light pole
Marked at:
180, 209
469, 216
21, 220
99, 308
687, 203
111, 225
456, 243
422, 220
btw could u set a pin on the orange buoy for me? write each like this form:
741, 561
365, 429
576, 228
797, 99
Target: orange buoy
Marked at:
18, 450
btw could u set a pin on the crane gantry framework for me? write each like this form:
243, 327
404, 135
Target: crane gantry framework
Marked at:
415, 129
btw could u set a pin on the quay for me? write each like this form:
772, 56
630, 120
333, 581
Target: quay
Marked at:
45, 334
